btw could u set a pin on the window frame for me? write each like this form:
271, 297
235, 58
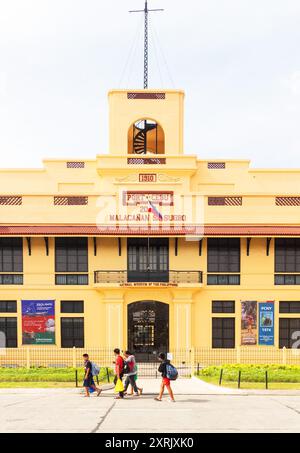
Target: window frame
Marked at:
5, 305
11, 341
73, 341
221, 339
287, 256
287, 341
226, 306
11, 255
72, 304
289, 307
71, 256
223, 255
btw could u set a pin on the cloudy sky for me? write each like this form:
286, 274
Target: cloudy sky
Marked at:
237, 60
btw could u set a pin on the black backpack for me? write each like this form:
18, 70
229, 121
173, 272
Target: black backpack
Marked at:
126, 368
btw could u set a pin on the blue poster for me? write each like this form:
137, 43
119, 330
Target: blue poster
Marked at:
266, 324
38, 322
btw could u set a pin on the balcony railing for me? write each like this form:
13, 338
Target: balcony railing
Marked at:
174, 277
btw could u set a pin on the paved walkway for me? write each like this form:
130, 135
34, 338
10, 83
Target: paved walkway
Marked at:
200, 407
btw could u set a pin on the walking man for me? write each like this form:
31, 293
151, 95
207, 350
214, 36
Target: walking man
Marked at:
130, 367
165, 380
88, 382
119, 370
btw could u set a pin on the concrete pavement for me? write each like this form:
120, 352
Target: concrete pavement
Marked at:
200, 407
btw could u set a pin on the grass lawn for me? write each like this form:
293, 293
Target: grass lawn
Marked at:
280, 377
44, 377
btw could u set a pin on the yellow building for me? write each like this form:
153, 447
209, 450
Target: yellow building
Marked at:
147, 247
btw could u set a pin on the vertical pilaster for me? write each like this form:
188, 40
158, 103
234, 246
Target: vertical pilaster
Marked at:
182, 323
114, 323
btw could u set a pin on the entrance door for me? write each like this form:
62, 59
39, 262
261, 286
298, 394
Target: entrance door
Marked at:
148, 329
148, 259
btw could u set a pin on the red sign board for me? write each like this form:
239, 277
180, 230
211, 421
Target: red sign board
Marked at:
135, 198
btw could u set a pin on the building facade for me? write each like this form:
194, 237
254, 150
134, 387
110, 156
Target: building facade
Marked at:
147, 247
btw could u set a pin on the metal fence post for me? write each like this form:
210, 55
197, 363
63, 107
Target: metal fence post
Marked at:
221, 377
239, 381
76, 378
28, 358
74, 357
107, 374
267, 382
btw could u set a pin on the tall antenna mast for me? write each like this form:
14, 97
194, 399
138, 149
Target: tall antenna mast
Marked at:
146, 43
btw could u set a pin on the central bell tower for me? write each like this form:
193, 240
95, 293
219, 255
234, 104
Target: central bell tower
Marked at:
146, 122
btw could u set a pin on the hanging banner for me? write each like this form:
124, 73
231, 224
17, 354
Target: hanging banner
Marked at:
38, 322
249, 323
266, 323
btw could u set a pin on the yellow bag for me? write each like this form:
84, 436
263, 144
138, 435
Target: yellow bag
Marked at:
119, 386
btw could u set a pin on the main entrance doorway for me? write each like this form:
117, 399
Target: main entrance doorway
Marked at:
148, 329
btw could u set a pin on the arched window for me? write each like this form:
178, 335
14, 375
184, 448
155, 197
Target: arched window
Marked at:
146, 136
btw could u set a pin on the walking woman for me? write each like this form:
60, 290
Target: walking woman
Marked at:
130, 370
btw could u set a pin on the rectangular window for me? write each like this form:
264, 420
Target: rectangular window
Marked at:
223, 306
223, 255
72, 332
71, 255
8, 306
286, 279
289, 332
8, 326
72, 306
71, 279
289, 307
217, 279
11, 255
223, 333
287, 255
11, 279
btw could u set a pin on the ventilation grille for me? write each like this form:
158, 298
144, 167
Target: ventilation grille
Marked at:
146, 96
75, 164
216, 165
225, 201
287, 201
10, 201
70, 201
146, 161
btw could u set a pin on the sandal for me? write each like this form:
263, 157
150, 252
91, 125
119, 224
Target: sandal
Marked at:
157, 399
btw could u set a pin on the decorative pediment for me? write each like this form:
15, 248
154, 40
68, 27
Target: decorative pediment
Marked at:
128, 178
162, 177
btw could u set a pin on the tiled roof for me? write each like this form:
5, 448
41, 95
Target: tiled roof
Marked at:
173, 230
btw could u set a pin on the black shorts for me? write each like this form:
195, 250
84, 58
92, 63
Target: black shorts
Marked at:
89, 382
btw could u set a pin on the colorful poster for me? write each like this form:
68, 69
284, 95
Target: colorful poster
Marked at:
249, 323
266, 324
38, 322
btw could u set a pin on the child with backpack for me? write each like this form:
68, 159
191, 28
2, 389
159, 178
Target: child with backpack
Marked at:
168, 373
90, 370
